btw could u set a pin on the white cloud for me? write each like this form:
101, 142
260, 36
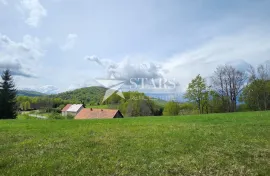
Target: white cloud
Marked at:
70, 42
34, 10
81, 84
4, 2
20, 57
153, 74
239, 50
127, 69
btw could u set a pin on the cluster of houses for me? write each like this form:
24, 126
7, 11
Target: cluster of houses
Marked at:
79, 112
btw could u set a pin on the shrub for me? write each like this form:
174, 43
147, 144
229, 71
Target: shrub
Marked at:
243, 108
171, 108
55, 116
69, 116
51, 110
25, 117
188, 108
61, 107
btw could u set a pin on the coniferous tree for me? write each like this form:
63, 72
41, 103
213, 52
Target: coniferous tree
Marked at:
7, 97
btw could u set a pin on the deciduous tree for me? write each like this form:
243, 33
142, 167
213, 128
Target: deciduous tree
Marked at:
257, 94
196, 92
228, 82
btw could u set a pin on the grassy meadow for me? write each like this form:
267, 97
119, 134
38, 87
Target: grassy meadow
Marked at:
215, 144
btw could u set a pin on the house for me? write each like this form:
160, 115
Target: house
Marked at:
90, 113
72, 109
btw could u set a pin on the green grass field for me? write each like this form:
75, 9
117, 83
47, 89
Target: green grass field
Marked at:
216, 144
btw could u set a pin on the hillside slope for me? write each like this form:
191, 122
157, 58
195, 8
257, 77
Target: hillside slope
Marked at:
88, 95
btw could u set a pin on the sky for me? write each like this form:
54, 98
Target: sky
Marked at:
59, 45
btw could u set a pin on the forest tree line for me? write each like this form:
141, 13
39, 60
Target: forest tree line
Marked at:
228, 90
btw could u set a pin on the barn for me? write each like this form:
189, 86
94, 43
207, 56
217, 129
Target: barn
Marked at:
90, 113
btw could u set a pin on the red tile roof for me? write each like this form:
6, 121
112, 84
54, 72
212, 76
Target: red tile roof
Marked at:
66, 107
89, 113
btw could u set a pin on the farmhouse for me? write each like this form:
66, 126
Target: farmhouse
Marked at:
72, 109
89, 113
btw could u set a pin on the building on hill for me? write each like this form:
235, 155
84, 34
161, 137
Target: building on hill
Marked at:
72, 109
89, 113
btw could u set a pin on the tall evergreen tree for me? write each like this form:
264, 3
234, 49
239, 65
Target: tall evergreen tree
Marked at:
7, 97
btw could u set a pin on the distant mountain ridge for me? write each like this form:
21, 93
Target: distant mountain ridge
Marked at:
47, 89
29, 93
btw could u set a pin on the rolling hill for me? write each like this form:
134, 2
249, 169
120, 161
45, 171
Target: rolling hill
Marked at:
87, 95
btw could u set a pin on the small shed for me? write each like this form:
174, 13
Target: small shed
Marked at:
72, 109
